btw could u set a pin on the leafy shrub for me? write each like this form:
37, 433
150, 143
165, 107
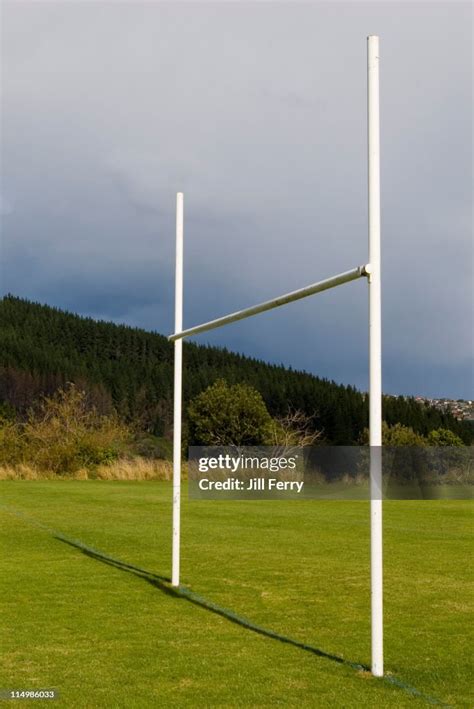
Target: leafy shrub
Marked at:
12, 443
444, 437
396, 435
63, 435
226, 414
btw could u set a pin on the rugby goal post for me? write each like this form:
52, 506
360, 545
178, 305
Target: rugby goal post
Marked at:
371, 271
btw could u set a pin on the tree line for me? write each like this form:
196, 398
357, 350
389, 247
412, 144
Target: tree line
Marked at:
130, 371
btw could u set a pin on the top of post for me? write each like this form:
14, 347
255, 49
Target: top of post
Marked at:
373, 49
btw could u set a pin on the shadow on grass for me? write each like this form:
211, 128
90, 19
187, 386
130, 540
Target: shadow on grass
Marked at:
162, 583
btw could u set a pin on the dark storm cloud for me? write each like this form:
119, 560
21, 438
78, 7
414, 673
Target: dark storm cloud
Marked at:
258, 113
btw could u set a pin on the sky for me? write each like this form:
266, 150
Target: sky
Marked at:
257, 112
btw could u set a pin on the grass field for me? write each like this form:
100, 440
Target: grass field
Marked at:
106, 637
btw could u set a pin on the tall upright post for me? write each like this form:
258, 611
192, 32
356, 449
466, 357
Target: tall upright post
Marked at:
178, 383
375, 355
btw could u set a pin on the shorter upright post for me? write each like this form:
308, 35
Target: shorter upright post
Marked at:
178, 383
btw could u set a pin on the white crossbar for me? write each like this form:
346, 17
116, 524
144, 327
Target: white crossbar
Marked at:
332, 282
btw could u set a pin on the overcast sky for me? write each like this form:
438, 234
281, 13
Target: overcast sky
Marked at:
257, 112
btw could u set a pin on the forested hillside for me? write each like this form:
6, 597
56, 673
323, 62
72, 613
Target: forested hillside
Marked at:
131, 370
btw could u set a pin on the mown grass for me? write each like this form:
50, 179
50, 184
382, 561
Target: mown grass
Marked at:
104, 637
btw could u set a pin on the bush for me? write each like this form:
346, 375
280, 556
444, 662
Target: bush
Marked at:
444, 437
396, 435
12, 443
63, 435
225, 415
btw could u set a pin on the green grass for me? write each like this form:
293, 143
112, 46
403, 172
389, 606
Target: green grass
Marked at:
106, 638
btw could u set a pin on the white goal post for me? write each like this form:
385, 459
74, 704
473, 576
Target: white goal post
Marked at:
372, 272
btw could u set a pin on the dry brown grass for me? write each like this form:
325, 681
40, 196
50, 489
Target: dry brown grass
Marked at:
122, 469
23, 471
135, 469
358, 479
